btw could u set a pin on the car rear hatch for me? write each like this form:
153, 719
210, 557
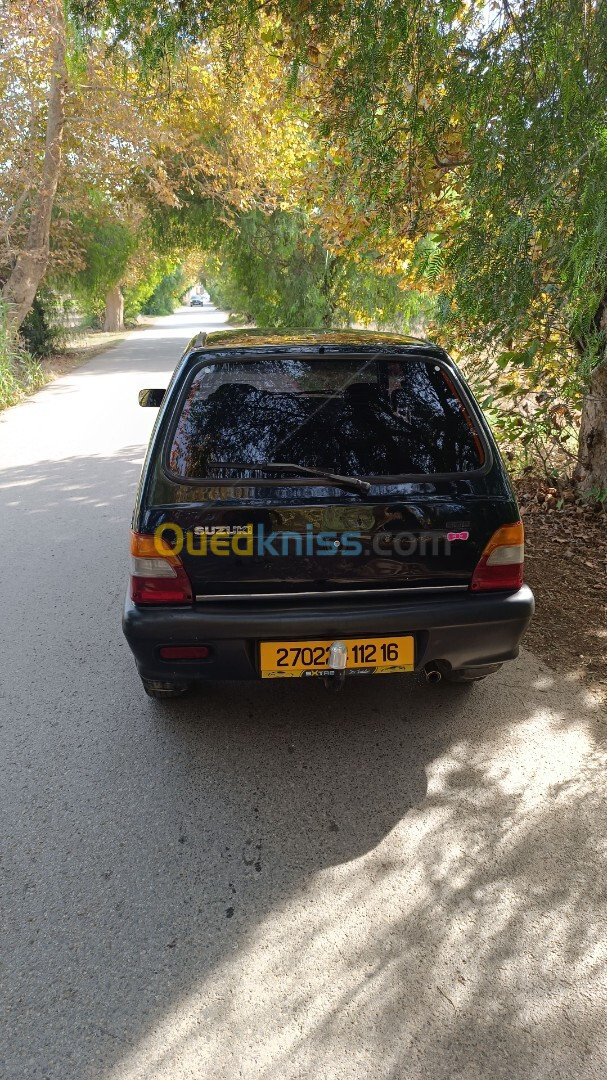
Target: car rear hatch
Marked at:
430, 541
245, 523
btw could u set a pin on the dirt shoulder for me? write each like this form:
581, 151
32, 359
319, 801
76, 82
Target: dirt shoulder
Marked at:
566, 566
83, 347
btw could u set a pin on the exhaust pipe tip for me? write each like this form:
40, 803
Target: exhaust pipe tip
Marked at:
433, 674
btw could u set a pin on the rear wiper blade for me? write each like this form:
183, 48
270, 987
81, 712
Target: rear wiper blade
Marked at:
352, 483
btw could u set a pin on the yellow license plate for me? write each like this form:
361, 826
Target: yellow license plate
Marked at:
378, 656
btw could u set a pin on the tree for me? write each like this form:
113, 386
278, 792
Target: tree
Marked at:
528, 260
130, 147
31, 261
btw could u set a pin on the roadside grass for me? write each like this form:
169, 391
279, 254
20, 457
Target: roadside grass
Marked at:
22, 374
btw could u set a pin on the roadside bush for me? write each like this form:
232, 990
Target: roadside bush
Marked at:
20, 374
533, 407
44, 330
167, 294
226, 294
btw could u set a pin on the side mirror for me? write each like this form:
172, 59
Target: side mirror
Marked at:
151, 399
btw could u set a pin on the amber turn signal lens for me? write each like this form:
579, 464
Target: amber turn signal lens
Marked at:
150, 547
506, 536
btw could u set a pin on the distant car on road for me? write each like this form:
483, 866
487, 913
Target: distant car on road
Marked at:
196, 301
327, 503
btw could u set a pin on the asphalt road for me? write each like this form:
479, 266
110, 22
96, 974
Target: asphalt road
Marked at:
265, 881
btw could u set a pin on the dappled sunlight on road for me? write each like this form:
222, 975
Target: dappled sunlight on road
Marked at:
468, 940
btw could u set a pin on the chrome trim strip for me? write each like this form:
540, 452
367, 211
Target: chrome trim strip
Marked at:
333, 592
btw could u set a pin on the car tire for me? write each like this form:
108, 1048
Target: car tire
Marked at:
163, 691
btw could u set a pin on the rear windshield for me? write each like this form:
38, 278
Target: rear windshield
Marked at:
365, 418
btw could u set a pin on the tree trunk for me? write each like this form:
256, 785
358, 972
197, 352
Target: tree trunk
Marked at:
31, 262
114, 310
591, 470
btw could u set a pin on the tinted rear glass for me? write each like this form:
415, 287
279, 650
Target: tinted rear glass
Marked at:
360, 418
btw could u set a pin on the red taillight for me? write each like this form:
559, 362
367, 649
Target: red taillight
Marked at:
501, 564
157, 575
184, 652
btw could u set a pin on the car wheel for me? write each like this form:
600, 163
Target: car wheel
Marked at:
162, 691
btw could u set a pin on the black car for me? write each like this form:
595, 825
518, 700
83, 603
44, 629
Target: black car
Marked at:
321, 503
196, 301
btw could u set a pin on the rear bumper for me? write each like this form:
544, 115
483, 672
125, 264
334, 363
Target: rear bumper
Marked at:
466, 630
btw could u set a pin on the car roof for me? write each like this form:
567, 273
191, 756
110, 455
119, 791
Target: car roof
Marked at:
256, 338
